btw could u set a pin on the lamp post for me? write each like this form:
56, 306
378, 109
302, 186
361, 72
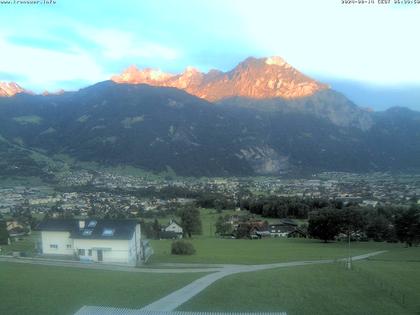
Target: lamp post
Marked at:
348, 236
348, 250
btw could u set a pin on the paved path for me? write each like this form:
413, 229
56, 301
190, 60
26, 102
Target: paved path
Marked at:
95, 266
101, 310
179, 297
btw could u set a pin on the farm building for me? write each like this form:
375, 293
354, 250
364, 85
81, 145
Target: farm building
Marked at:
286, 228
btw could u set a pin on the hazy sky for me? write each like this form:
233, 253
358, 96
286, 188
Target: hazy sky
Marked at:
74, 43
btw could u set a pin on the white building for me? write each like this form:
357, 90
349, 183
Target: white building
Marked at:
101, 241
172, 231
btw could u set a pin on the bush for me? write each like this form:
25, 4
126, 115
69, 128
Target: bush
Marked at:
182, 248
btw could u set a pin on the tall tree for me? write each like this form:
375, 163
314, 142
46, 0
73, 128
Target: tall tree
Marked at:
407, 226
4, 235
156, 229
352, 220
324, 224
191, 221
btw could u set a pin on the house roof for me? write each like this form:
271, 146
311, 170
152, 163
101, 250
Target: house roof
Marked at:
288, 221
285, 222
58, 225
173, 221
93, 228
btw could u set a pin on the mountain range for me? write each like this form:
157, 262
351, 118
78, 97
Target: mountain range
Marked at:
263, 117
10, 89
254, 78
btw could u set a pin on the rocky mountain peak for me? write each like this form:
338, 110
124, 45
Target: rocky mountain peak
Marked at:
276, 60
10, 89
258, 78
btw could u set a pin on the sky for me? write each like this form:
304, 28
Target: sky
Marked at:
75, 43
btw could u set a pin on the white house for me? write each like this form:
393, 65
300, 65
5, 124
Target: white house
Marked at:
91, 240
173, 230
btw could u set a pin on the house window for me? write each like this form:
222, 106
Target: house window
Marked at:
68, 246
54, 246
108, 232
89, 252
81, 252
92, 224
87, 232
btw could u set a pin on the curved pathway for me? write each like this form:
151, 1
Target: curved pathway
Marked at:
179, 297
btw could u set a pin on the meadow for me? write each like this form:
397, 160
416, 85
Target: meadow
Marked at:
262, 251
385, 284
211, 249
46, 290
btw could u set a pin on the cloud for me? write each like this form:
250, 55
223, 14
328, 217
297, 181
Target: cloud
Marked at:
117, 44
42, 67
371, 43
83, 56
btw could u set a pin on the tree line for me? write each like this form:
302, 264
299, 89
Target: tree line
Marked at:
390, 224
283, 207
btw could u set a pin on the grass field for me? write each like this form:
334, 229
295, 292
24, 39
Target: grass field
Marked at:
270, 250
32, 290
387, 284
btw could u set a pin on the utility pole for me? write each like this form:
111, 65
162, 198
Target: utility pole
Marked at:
348, 246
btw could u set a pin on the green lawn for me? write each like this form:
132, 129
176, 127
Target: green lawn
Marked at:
270, 250
31, 289
372, 287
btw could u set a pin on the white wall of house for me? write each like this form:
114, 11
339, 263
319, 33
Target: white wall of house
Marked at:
56, 243
173, 227
113, 251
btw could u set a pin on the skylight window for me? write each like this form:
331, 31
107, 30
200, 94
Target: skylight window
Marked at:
92, 224
87, 232
108, 232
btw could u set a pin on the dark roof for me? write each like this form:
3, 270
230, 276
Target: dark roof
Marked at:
172, 221
285, 222
288, 221
117, 229
59, 225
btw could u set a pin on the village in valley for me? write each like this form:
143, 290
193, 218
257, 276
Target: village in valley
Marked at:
157, 202
111, 221
101, 192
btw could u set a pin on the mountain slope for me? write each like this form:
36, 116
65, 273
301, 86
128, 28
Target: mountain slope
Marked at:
157, 128
264, 83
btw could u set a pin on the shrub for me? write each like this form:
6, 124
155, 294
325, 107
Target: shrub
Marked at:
182, 248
